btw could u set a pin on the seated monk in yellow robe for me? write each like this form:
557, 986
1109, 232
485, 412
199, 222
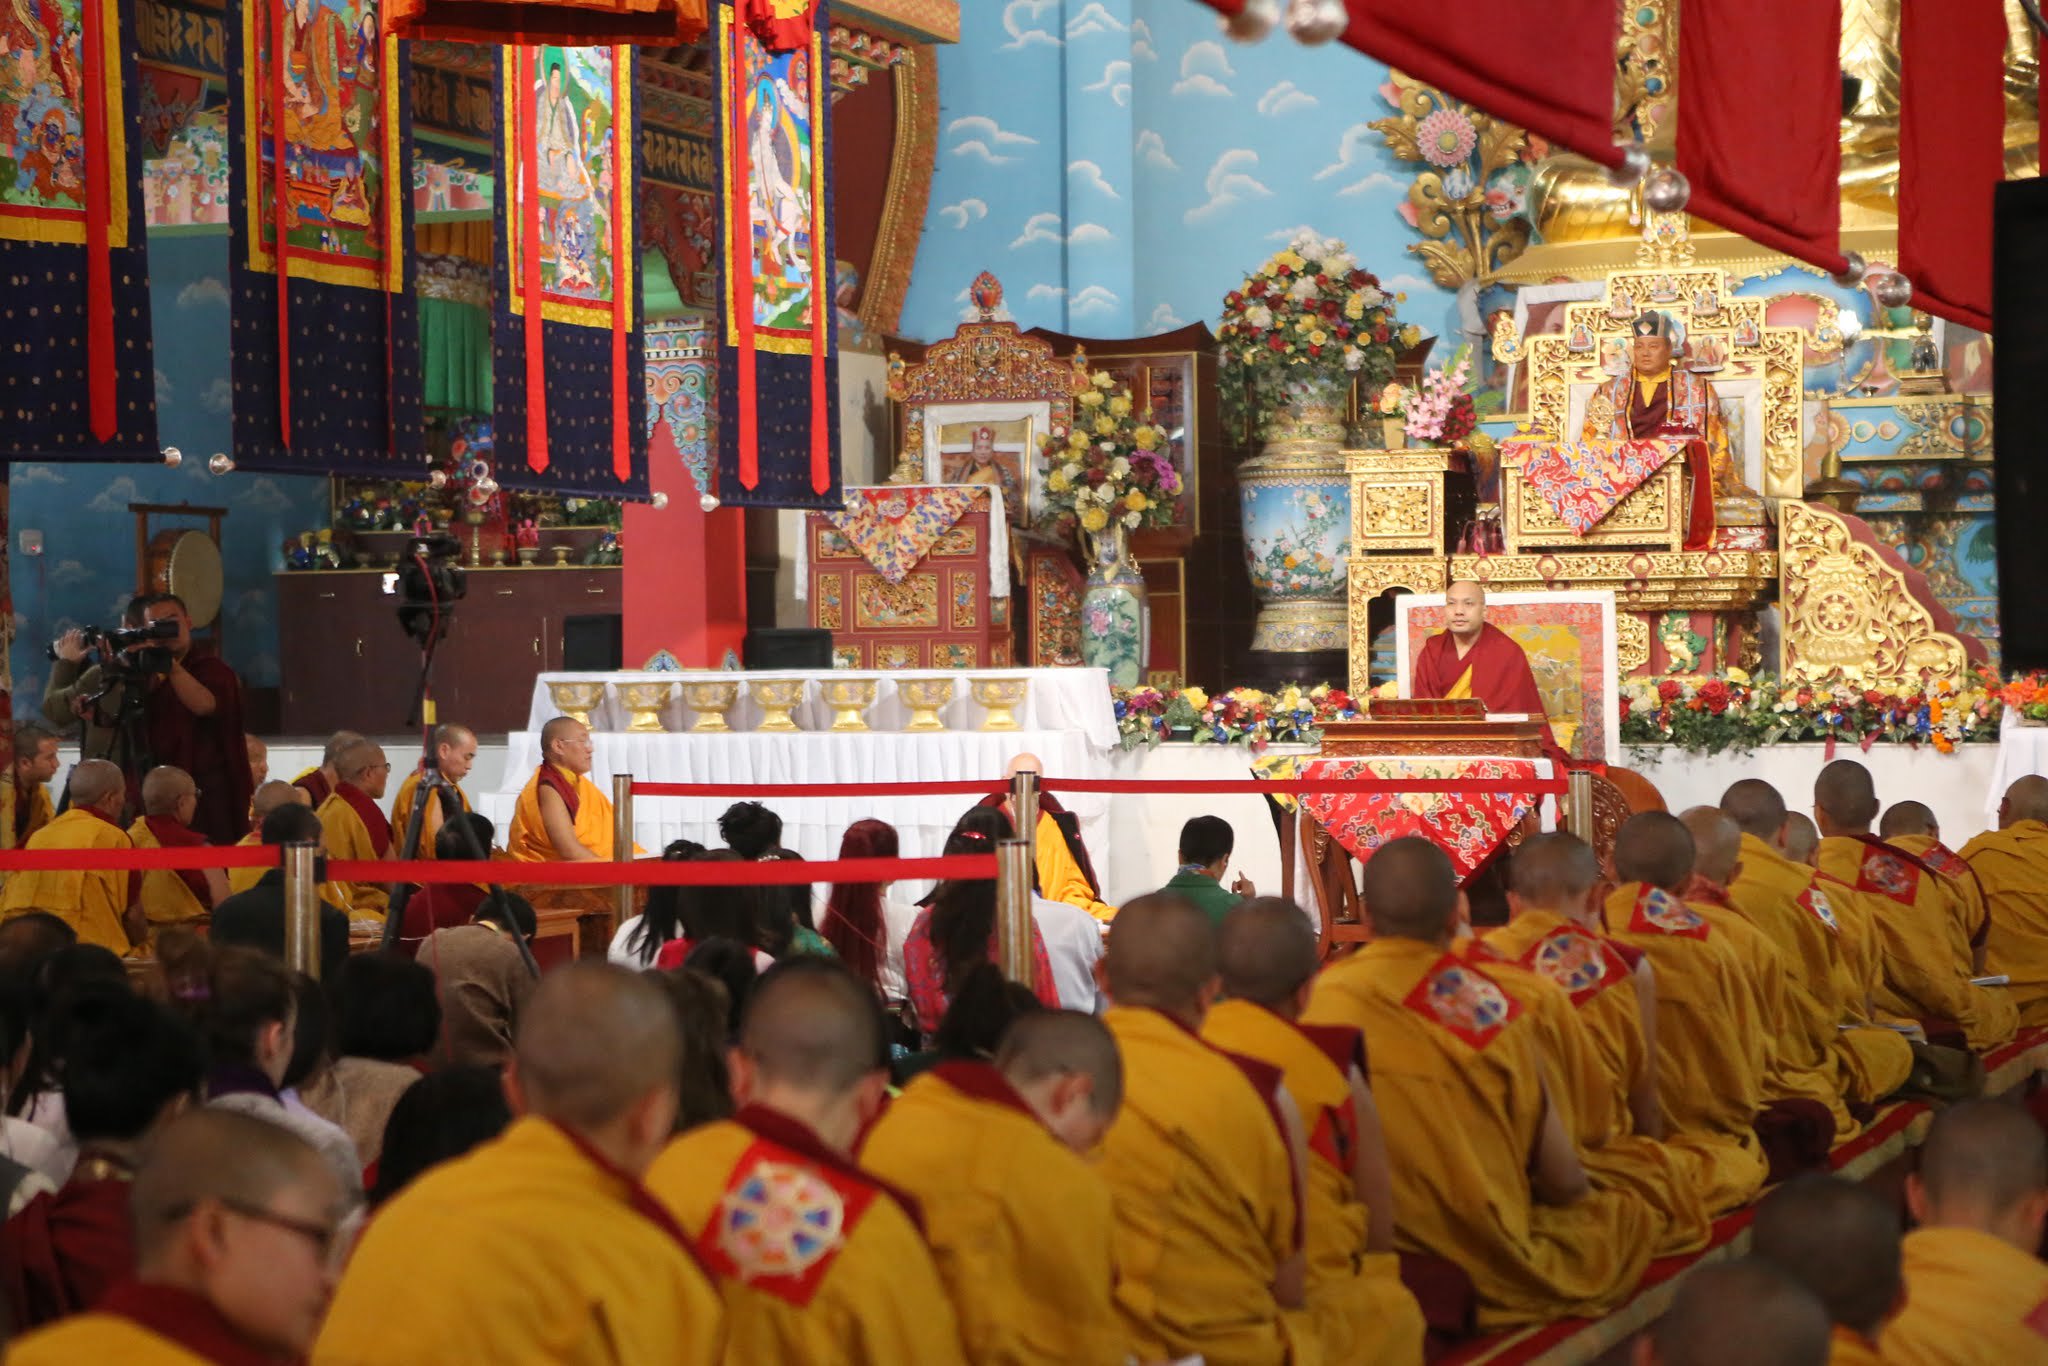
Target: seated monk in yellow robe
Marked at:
1594, 1006
1910, 828
174, 896
318, 782
542, 1244
1358, 1308
268, 797
1783, 899
1018, 1221
454, 753
818, 1260
1204, 1159
1976, 1290
1485, 1172
1711, 1059
356, 826
1919, 927
1061, 868
35, 763
212, 1284
562, 816
2011, 864
98, 904
1841, 1241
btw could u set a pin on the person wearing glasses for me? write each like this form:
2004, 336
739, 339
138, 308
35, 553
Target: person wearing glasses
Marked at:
240, 1229
174, 896
356, 826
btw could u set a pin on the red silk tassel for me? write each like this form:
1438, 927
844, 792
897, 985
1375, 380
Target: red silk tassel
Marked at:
740, 259
99, 284
821, 296
528, 205
280, 214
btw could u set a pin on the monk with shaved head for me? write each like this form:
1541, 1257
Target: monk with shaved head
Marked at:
1749, 1311
2011, 865
1204, 1159
268, 797
1019, 1222
174, 896
1484, 1168
1841, 1241
1358, 1309
319, 781
809, 1074
543, 1244
100, 904
1061, 868
356, 826
1975, 1286
238, 1231
454, 749
1474, 658
562, 816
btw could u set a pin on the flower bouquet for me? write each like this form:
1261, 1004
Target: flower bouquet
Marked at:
1111, 466
1440, 412
2027, 697
1731, 711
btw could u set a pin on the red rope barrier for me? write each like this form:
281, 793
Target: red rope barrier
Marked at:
961, 789
138, 860
1216, 786
657, 873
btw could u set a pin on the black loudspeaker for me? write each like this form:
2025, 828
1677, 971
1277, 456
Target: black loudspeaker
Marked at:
593, 644
2019, 360
794, 647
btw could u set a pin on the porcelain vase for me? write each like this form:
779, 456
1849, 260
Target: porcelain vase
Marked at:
1296, 501
1113, 615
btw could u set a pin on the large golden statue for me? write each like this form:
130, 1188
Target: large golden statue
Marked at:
1656, 398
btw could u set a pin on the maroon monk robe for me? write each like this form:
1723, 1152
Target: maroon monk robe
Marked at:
210, 748
373, 817
1501, 677
187, 1320
314, 785
172, 835
62, 1251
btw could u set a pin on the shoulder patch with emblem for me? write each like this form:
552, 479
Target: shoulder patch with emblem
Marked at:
782, 1222
1887, 874
1816, 904
1464, 1001
1659, 912
1945, 861
1579, 962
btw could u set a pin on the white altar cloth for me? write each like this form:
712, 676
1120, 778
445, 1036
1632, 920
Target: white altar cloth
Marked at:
2022, 751
1075, 700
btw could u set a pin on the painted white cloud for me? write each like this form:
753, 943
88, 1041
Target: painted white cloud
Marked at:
1092, 20
70, 573
264, 495
1046, 227
1285, 98
1202, 70
1091, 301
966, 211
1289, 234
1406, 284
207, 289
219, 396
985, 138
1090, 232
1352, 150
163, 388
1378, 180
1141, 42
1230, 182
1152, 151
1163, 319
21, 476
1116, 79
1089, 176
1020, 21
1044, 293
115, 497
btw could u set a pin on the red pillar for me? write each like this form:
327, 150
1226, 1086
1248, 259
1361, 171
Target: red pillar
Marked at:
685, 569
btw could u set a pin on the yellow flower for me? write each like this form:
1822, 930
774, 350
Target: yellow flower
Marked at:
1120, 406
1391, 399
1409, 335
1736, 676
1147, 438
1104, 426
1103, 380
1090, 399
1318, 337
1136, 501
1077, 439
1057, 482
1304, 324
1196, 697
1290, 700
1094, 519
1354, 307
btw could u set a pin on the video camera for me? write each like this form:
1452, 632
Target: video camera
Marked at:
430, 583
127, 648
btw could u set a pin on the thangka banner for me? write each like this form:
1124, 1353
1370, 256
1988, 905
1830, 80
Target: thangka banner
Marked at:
326, 367
565, 335
77, 381
778, 373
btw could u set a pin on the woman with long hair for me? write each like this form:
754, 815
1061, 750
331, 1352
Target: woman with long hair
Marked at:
956, 934
635, 943
735, 914
863, 922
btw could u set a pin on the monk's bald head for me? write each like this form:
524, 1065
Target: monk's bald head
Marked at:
1756, 807
220, 1155
274, 794
1747, 1311
1802, 837
1654, 847
593, 1042
1411, 891
1057, 1043
163, 788
1553, 872
1846, 797
812, 1026
1984, 1165
1024, 763
452, 735
1163, 956
1840, 1241
95, 781
1267, 952
1908, 818
338, 742
354, 763
1716, 842
2025, 800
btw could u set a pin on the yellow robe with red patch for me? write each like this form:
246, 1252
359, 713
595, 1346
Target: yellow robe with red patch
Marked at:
753, 1192
242, 879
1457, 1074
1019, 1224
1966, 896
1972, 1299
92, 903
1357, 1306
347, 837
2012, 868
166, 898
1711, 1060
1580, 993
401, 814
1824, 947
1202, 1185
523, 1250
1919, 929
529, 842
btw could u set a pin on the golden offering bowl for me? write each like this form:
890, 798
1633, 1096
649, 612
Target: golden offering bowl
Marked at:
777, 698
645, 701
576, 700
848, 698
924, 697
711, 701
1001, 696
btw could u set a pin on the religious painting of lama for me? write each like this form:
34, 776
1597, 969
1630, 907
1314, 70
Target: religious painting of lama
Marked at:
575, 121
994, 452
42, 111
780, 185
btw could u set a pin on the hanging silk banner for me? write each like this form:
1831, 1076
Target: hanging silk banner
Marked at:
77, 380
566, 327
326, 364
778, 371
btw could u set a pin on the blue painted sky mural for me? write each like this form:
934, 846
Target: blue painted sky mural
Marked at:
1120, 165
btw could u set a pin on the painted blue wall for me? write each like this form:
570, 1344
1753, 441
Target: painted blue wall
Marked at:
87, 571
1120, 165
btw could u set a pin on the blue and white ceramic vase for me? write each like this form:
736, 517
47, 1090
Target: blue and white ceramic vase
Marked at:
1296, 500
1113, 614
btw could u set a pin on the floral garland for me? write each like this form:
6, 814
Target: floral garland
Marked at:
1242, 716
1715, 713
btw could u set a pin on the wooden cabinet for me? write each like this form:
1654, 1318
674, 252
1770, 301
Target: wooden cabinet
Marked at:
344, 662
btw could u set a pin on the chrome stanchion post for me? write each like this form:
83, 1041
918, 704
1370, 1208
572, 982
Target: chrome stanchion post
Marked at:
622, 846
1578, 796
1024, 814
302, 909
1013, 910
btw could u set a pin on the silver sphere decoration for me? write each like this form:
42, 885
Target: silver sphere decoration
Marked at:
1253, 22
1635, 164
1851, 274
486, 486
1892, 290
438, 479
173, 456
1315, 22
1666, 189
708, 501
221, 463
660, 500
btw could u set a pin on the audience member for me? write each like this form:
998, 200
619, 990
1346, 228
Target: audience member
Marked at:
956, 932
786, 926
2011, 864
1910, 828
99, 904
638, 938
485, 981
976, 1021
259, 761
1062, 870
439, 1117
35, 763
60, 994
387, 1018
562, 816
1073, 938
319, 782
750, 830
446, 905
1840, 1241
1748, 1311
703, 1015
255, 918
733, 966
356, 827
1206, 843
454, 754
864, 922
732, 914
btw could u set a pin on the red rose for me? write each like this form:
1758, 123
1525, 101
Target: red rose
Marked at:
1715, 694
1283, 269
1330, 309
1343, 329
1624, 707
1233, 299
1379, 334
1323, 281
1096, 478
1314, 350
1258, 289
1669, 690
1277, 342
1356, 278
1873, 698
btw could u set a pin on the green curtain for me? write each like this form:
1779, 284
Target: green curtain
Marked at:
455, 355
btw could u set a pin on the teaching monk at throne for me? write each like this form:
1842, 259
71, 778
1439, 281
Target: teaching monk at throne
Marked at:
1472, 658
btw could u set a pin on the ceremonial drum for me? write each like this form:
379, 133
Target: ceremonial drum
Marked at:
187, 562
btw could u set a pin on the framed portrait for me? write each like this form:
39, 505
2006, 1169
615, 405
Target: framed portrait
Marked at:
992, 443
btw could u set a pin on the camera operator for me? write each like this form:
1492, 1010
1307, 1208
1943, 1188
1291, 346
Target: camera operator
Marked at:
155, 702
